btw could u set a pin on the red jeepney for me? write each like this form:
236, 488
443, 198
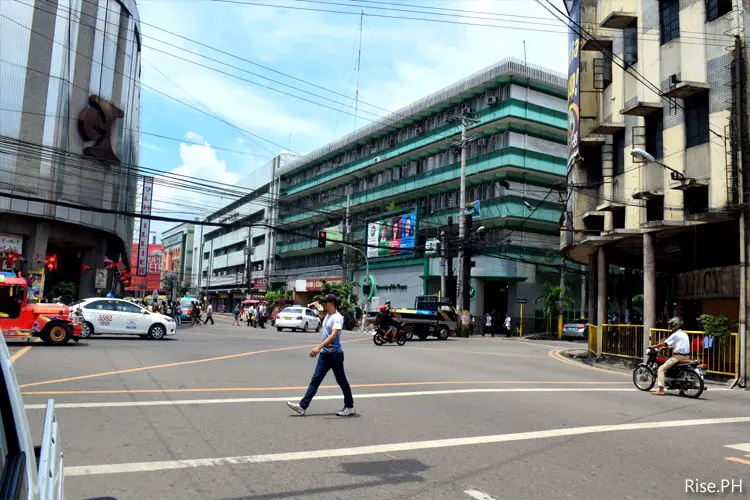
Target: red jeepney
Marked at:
53, 323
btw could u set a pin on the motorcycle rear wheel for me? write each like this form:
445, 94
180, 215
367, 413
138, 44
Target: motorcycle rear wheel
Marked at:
643, 378
696, 383
378, 339
401, 339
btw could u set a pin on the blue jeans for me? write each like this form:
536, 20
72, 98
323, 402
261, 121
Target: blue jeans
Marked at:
329, 361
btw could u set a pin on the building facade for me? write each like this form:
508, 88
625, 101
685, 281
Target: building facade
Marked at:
142, 286
69, 119
177, 268
233, 257
391, 187
658, 128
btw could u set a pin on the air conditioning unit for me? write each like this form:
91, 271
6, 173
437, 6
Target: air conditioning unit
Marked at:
377, 159
482, 142
491, 99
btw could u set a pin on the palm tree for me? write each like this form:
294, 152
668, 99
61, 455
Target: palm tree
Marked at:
554, 299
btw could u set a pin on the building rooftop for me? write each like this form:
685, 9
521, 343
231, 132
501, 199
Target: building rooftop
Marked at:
409, 114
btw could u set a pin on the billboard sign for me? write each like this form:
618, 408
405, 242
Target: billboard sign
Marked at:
574, 84
9, 242
392, 235
145, 229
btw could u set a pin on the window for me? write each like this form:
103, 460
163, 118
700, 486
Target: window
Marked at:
129, 308
618, 153
259, 240
655, 208
630, 35
717, 8
696, 120
102, 305
669, 20
696, 200
655, 134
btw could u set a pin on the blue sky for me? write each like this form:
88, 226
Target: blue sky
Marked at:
401, 61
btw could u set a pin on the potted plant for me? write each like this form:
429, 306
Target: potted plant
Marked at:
715, 326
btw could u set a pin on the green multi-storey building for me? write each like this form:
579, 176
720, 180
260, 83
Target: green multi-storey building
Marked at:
399, 177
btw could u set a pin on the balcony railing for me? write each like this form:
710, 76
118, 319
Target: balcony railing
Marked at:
509, 156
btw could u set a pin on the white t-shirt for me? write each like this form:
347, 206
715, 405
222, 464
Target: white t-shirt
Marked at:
488, 321
333, 322
210, 309
507, 322
679, 342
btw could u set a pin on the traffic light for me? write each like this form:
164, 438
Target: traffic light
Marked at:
322, 239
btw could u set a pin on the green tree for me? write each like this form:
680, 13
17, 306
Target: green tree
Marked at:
345, 291
716, 326
554, 299
66, 290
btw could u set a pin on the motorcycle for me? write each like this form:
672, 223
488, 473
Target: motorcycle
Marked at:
378, 337
686, 376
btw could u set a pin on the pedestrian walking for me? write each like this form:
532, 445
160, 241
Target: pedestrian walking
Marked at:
236, 314
507, 325
209, 315
331, 358
488, 325
177, 313
197, 314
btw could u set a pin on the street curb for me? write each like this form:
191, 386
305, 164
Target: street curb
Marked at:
580, 356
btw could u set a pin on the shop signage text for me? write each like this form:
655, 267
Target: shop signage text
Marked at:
712, 283
392, 286
315, 284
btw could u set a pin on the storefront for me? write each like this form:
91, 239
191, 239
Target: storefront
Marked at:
712, 291
306, 290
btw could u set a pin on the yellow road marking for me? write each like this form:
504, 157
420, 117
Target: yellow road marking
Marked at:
19, 353
554, 354
291, 388
740, 460
170, 365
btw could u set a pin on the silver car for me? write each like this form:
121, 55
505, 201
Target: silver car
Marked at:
576, 329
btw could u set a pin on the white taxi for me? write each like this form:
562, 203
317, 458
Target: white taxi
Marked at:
298, 318
103, 316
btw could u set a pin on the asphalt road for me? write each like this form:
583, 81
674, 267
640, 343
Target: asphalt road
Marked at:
202, 416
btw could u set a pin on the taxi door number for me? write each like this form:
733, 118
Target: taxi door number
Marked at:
105, 318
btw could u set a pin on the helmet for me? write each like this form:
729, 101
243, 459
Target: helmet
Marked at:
382, 308
675, 323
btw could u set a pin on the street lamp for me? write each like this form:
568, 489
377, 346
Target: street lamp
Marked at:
642, 154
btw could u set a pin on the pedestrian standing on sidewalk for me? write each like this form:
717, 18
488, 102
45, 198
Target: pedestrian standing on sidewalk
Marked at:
209, 315
331, 358
507, 325
488, 325
236, 314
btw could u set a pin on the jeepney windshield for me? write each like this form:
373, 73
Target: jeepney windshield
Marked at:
11, 298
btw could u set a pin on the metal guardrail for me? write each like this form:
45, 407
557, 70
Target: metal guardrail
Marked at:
624, 341
722, 354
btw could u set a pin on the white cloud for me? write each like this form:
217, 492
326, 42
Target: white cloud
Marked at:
200, 168
150, 146
193, 136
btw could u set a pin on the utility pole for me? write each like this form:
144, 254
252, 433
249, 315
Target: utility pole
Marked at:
461, 222
448, 249
347, 228
443, 248
738, 122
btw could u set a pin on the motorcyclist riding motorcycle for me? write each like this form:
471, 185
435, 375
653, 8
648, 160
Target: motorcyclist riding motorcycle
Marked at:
680, 344
386, 322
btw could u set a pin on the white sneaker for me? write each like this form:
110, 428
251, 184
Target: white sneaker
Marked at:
296, 407
345, 412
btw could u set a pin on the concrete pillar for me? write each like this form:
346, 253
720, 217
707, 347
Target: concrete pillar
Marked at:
94, 258
592, 289
649, 288
35, 246
601, 317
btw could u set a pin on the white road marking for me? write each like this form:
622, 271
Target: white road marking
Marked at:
87, 470
478, 495
740, 446
174, 402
